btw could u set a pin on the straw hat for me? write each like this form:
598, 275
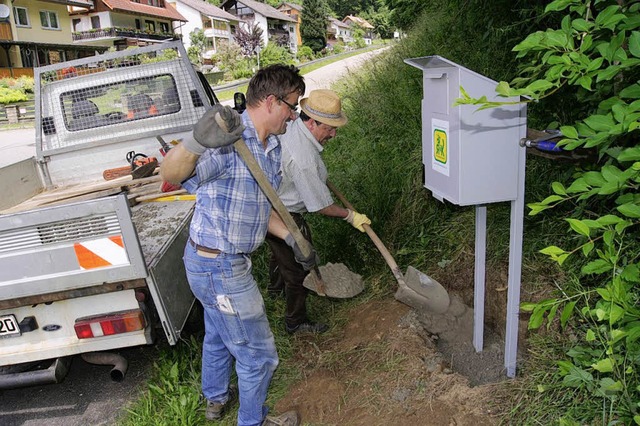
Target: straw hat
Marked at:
324, 106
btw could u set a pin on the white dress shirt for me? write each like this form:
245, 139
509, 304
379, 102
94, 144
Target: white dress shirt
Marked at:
304, 175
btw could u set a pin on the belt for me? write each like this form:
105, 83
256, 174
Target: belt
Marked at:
205, 251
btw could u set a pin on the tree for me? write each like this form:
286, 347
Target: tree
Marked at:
405, 12
249, 40
381, 20
314, 24
342, 8
198, 45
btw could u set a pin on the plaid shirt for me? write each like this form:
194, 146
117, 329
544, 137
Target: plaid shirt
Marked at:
232, 212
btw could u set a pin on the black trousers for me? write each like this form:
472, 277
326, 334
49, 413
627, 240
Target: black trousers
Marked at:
285, 274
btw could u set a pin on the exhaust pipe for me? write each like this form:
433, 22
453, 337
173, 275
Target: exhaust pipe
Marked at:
119, 363
54, 374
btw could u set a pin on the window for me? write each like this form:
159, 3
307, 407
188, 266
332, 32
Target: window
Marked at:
138, 24
21, 16
150, 26
95, 22
164, 27
220, 25
125, 101
75, 23
49, 20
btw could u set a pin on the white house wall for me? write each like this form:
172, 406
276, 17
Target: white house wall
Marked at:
194, 22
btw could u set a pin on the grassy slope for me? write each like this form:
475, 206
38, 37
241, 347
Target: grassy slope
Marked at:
376, 162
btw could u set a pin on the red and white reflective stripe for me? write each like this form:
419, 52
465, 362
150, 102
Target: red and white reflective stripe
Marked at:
101, 253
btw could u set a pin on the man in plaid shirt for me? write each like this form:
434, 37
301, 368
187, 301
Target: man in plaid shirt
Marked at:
230, 221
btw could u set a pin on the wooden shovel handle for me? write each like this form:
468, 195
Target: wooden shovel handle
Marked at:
378, 243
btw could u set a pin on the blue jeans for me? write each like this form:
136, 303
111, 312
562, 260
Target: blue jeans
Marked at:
236, 327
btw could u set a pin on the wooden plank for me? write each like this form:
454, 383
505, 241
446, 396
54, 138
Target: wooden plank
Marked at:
68, 194
160, 194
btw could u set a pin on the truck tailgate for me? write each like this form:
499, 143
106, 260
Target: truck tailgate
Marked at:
163, 229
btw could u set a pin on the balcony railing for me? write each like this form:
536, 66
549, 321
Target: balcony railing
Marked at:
122, 32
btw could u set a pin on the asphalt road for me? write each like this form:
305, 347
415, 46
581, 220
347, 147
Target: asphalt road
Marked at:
87, 396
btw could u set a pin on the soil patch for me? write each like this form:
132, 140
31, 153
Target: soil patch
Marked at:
385, 367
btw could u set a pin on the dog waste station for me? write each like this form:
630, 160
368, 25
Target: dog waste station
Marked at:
472, 157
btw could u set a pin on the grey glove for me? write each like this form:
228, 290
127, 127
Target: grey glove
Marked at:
307, 262
209, 133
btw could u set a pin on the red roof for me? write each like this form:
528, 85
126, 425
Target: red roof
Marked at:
168, 12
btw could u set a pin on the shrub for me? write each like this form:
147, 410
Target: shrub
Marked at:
305, 53
241, 69
11, 96
338, 48
26, 83
274, 54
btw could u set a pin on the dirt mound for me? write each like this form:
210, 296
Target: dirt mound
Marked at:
383, 368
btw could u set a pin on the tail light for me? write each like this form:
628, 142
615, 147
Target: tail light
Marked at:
109, 324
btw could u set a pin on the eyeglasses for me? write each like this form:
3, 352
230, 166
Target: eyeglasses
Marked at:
293, 108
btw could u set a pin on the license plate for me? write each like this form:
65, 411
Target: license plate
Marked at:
9, 326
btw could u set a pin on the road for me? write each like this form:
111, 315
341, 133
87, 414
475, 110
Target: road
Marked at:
87, 396
17, 145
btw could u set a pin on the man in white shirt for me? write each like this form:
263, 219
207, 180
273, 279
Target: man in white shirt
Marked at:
303, 189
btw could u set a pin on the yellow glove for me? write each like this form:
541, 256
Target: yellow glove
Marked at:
357, 220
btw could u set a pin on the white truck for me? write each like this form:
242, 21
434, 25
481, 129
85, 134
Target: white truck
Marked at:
90, 274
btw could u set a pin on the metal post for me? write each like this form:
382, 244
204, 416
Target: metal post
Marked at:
515, 269
479, 277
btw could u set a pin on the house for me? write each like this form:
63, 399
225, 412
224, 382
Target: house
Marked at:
362, 24
294, 11
275, 25
338, 31
124, 23
38, 32
215, 22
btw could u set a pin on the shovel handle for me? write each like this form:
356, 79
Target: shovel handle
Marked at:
377, 241
277, 204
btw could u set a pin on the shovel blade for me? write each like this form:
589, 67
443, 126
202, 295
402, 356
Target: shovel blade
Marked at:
426, 291
339, 281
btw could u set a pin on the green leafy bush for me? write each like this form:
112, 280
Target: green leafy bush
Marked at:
595, 55
305, 53
242, 69
274, 54
11, 96
23, 83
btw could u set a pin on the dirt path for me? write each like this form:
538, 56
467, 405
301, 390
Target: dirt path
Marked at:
385, 368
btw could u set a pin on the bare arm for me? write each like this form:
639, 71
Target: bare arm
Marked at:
277, 226
334, 210
178, 165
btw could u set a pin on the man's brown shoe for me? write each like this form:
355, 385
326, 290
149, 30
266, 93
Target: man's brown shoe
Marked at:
290, 418
215, 410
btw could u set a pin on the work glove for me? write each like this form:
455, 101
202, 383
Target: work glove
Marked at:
307, 262
208, 133
357, 220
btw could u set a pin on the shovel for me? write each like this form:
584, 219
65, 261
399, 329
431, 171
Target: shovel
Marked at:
321, 287
414, 288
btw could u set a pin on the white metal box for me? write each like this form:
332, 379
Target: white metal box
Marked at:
470, 156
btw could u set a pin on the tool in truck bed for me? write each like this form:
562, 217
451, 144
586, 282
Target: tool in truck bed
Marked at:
80, 270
